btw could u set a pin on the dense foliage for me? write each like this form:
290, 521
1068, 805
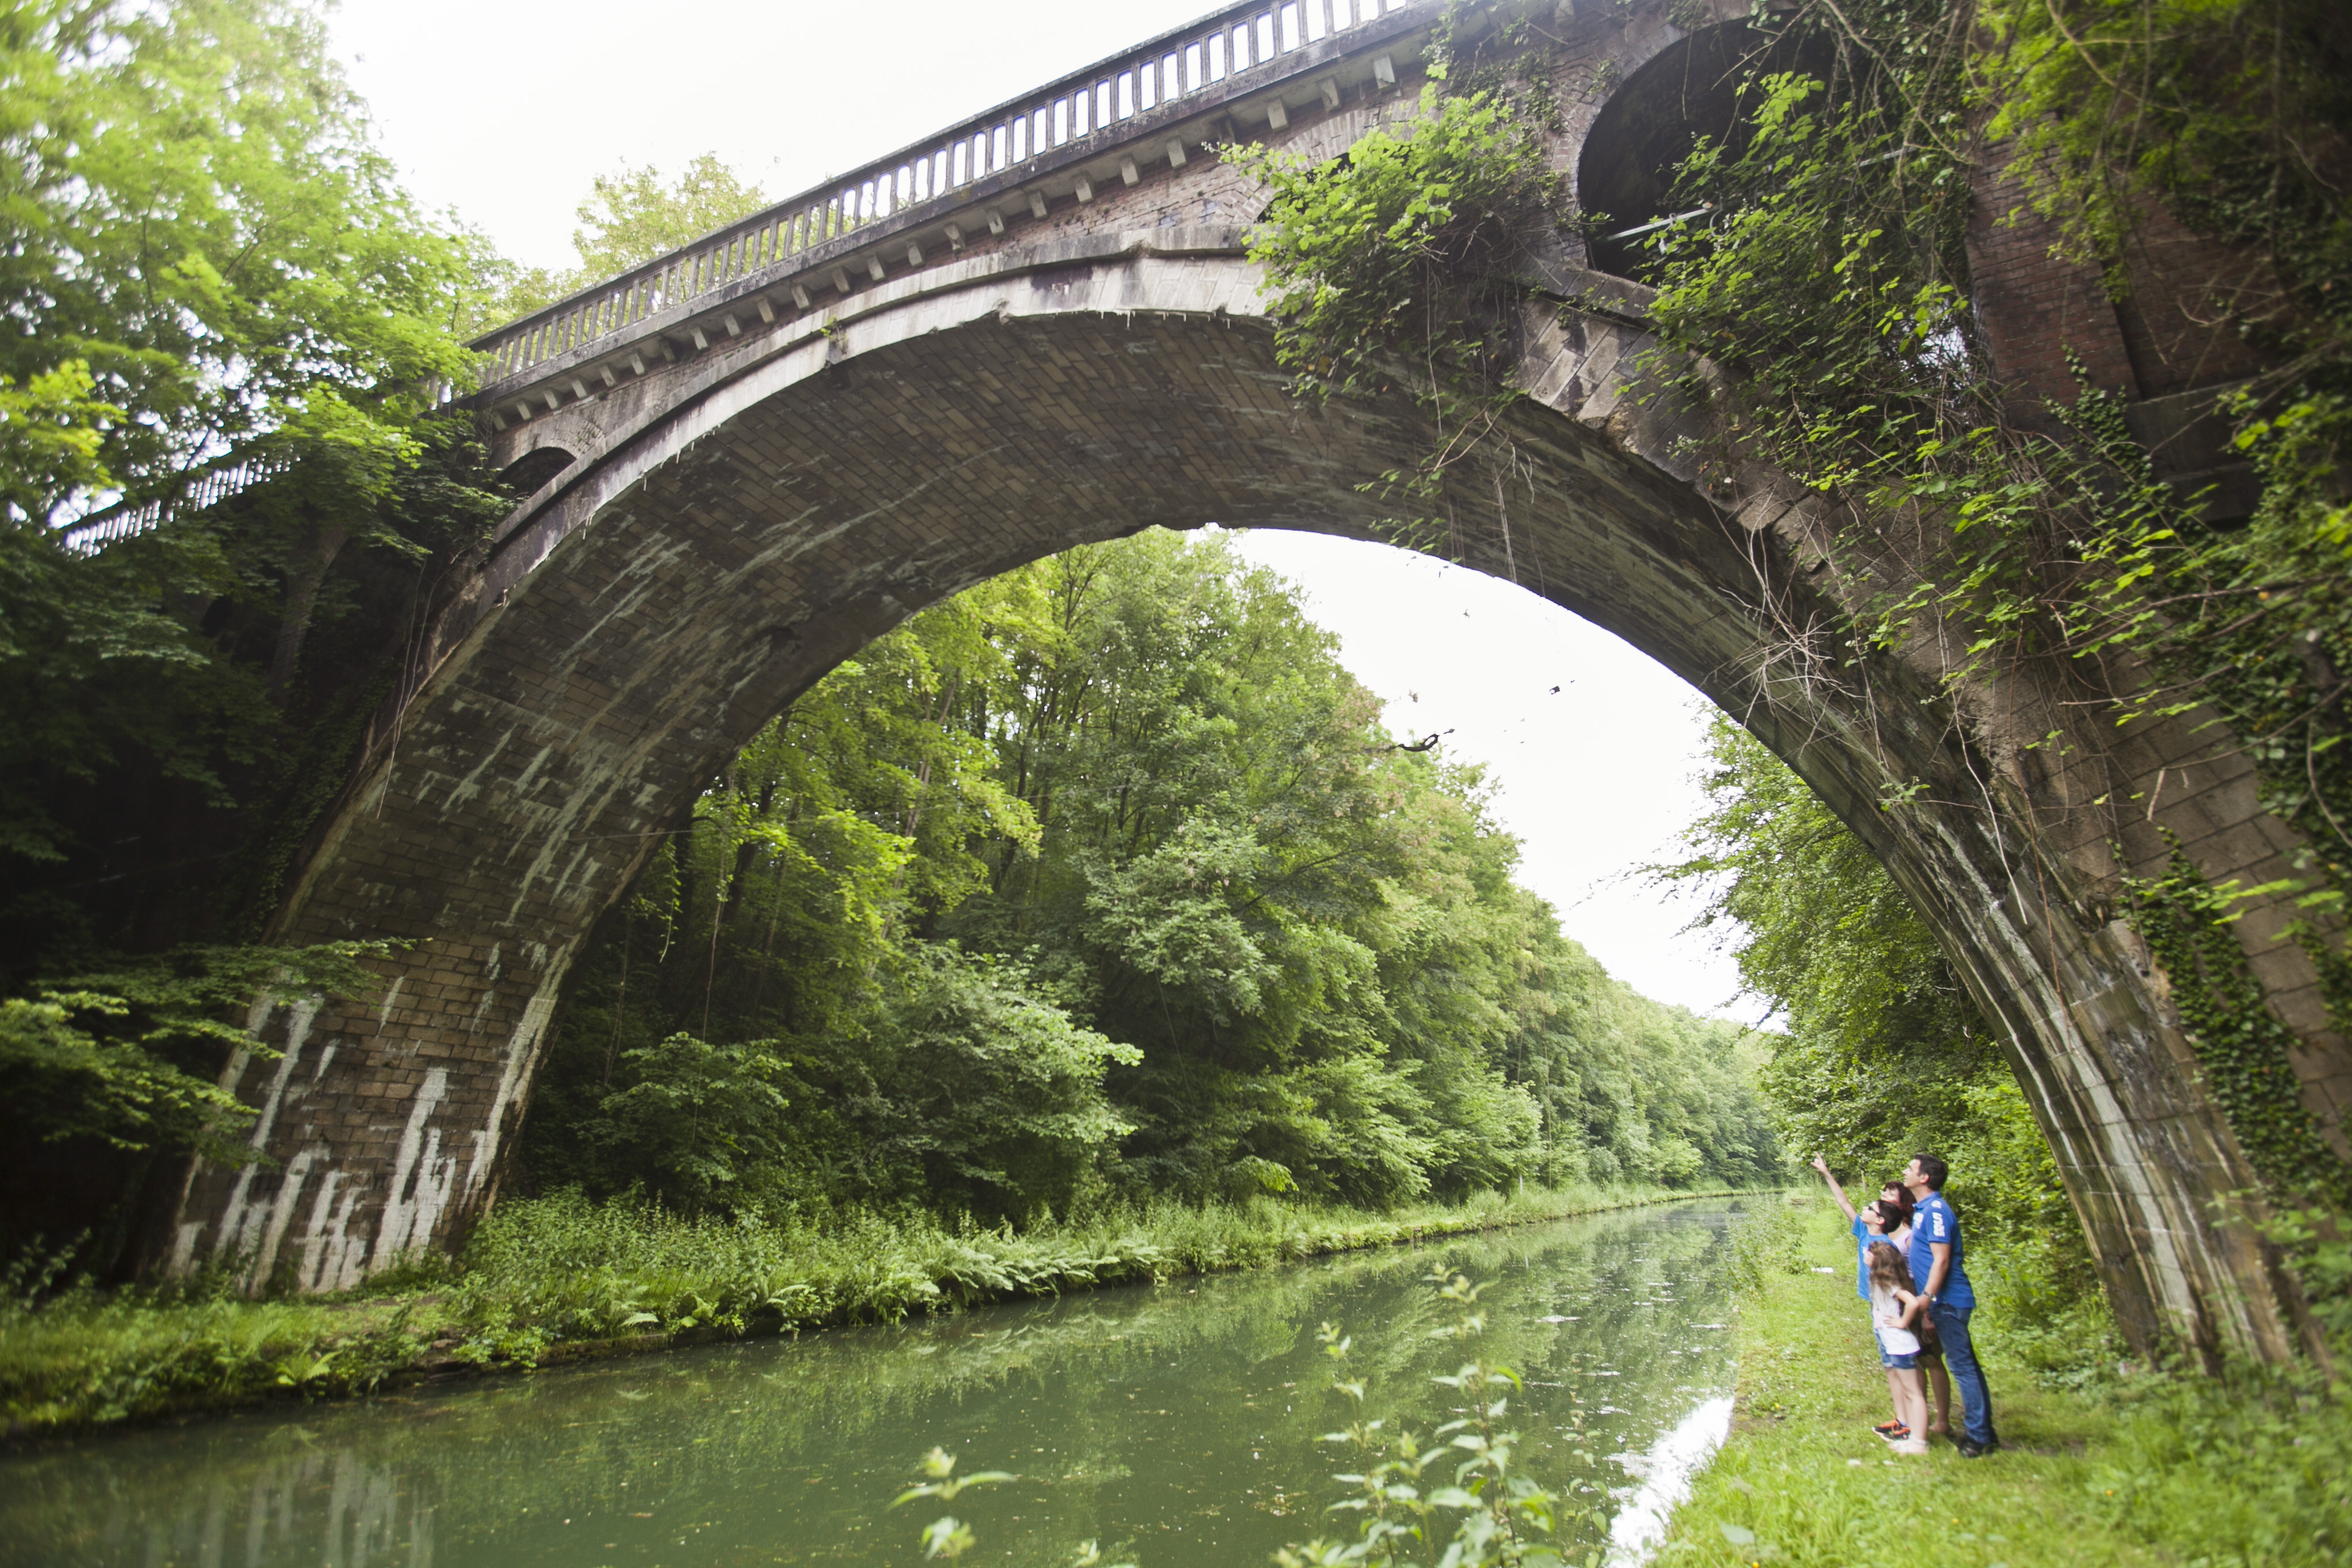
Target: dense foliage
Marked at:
206, 260
1103, 880
1830, 280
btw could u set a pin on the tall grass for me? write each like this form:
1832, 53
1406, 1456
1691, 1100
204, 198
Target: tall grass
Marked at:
554, 1278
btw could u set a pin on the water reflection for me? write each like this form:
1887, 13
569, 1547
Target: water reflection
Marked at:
1176, 1424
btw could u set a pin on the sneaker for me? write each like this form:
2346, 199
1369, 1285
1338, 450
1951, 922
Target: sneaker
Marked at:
1972, 1449
1912, 1446
1893, 1431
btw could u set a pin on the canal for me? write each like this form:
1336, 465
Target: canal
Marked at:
1177, 1425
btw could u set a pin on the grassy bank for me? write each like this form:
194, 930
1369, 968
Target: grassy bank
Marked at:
2140, 1468
560, 1278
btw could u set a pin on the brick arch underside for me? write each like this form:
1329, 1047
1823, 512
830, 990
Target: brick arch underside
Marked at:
642, 622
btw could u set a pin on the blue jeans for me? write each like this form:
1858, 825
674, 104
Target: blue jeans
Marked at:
1961, 1361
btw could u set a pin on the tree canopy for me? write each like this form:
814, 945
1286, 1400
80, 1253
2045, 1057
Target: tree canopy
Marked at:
1122, 818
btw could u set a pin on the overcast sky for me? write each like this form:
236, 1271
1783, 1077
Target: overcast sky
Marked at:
503, 111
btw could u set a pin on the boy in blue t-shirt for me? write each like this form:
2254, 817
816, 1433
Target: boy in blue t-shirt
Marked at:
1939, 1271
1863, 1234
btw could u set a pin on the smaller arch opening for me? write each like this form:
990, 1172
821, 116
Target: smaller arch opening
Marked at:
527, 473
1697, 86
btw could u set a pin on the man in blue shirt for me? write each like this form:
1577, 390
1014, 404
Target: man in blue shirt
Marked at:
1939, 1273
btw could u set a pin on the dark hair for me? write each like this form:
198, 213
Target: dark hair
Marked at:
1932, 1171
1887, 1268
1892, 1213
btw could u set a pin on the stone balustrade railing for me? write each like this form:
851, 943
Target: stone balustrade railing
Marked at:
207, 488
1092, 111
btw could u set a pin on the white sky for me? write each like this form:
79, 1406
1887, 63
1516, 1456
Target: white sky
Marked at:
504, 110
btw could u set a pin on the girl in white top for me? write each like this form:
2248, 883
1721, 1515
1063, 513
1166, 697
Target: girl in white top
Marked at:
1893, 1308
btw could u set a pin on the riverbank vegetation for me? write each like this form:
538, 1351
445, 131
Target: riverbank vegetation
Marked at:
2139, 1469
564, 1278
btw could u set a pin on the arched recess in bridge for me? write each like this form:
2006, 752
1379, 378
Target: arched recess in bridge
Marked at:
1694, 87
725, 539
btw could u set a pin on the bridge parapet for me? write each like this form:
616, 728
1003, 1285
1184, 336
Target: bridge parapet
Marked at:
1244, 66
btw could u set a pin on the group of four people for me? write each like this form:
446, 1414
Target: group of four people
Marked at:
1909, 1265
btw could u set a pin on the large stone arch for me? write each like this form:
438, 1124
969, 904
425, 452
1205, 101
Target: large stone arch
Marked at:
736, 519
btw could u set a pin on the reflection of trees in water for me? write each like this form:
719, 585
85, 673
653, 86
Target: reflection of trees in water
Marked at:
1134, 1390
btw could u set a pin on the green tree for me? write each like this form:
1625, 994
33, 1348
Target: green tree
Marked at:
203, 256
195, 213
1103, 879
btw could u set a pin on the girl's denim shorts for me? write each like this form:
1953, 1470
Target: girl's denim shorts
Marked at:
1909, 1362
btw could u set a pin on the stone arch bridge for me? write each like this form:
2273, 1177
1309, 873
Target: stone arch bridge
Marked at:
1040, 329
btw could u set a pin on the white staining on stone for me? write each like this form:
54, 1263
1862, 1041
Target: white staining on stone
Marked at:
281, 1214
329, 1253
421, 1180
241, 1217
517, 1067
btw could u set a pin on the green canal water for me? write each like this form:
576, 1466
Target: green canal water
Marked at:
1177, 1425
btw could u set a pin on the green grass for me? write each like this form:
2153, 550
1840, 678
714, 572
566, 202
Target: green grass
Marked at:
559, 1278
2245, 1469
